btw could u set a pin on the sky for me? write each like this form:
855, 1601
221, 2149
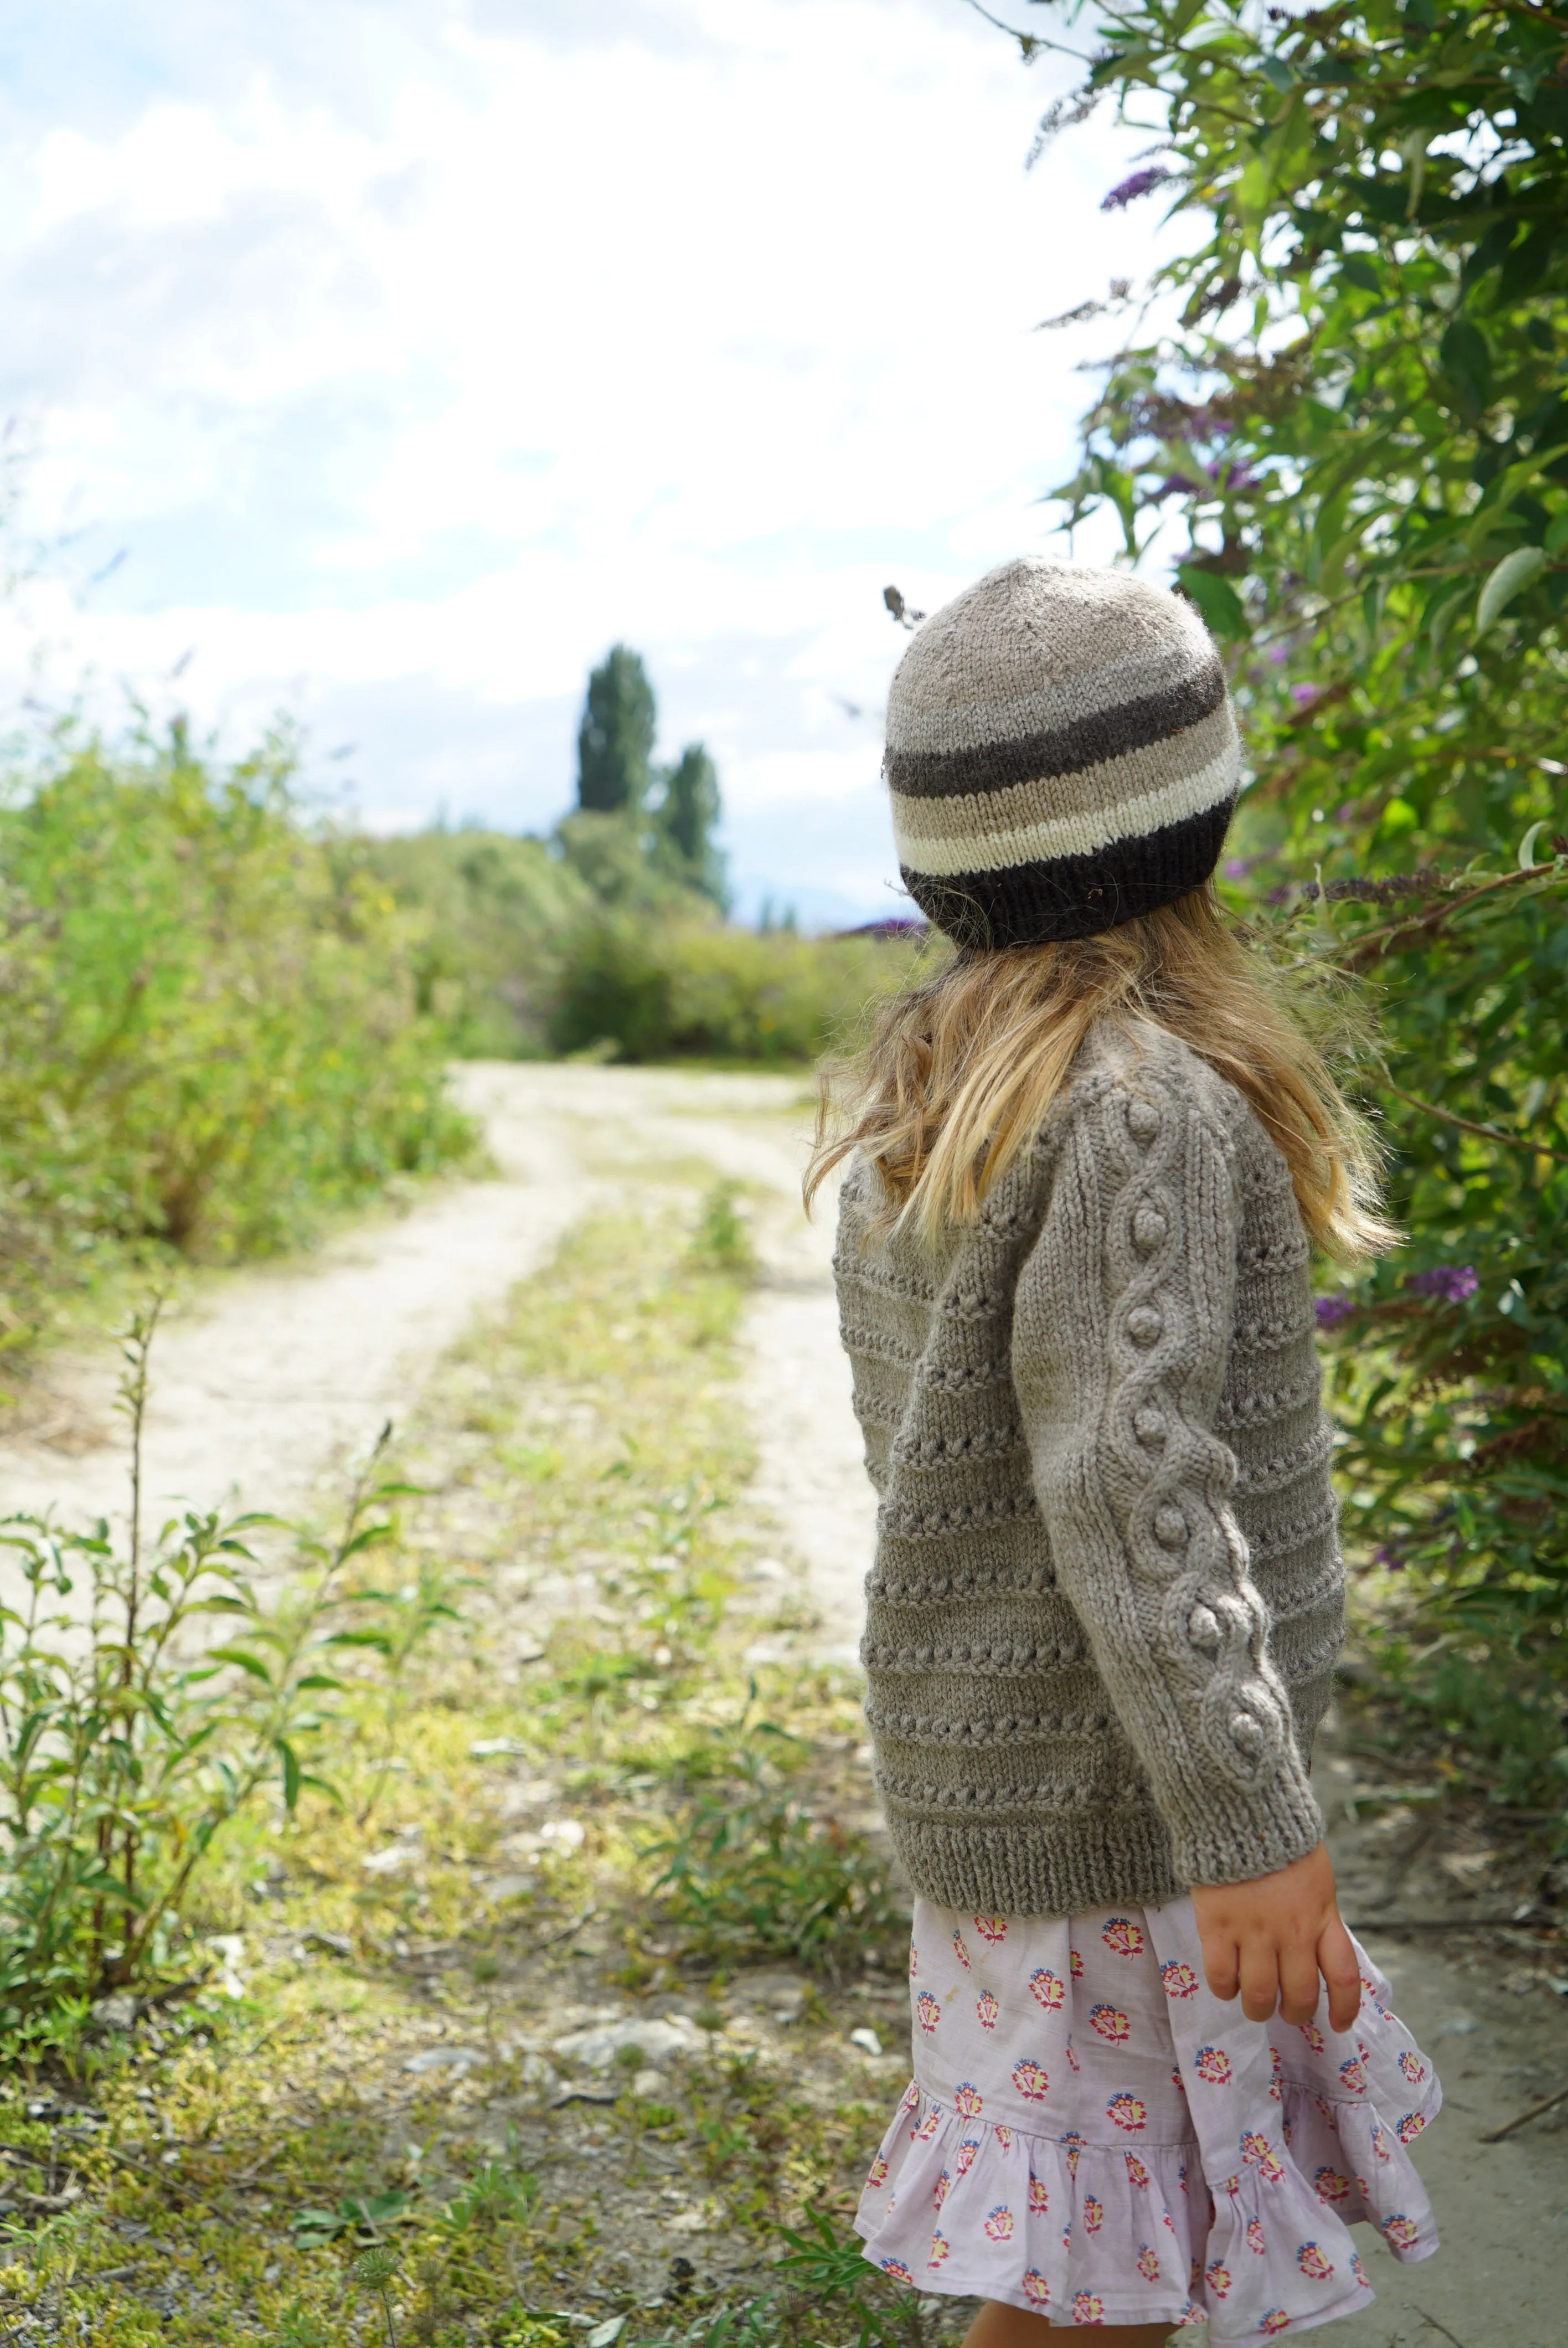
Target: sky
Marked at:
382, 362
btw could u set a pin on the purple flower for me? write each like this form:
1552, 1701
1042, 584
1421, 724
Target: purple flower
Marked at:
1451, 1283
1215, 475
1332, 1309
1279, 655
1390, 1558
1140, 184
1236, 868
1304, 695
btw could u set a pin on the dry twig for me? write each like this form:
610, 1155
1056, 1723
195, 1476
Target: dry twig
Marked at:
1547, 2104
1469, 1125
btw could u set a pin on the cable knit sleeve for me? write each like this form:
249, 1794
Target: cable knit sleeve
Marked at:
1121, 1334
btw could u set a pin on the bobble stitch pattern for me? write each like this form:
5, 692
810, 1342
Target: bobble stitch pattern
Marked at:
932, 1345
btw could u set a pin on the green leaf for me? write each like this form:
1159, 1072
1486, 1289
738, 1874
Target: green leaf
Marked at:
1216, 599
370, 1536
1513, 574
309, 2226
243, 1660
291, 1773
1465, 357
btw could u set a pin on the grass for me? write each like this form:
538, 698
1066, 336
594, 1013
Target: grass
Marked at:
348, 2124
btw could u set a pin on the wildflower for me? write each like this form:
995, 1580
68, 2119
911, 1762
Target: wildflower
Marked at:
1332, 1309
1451, 1283
1141, 183
1304, 695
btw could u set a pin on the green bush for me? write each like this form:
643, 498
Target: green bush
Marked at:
679, 987
1357, 409
521, 947
486, 912
209, 1025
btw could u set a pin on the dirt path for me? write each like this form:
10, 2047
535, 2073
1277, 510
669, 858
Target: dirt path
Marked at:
267, 1380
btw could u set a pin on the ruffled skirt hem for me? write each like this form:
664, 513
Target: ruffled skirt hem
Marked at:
1086, 2233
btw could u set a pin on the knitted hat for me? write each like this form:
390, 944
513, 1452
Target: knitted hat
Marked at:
1061, 755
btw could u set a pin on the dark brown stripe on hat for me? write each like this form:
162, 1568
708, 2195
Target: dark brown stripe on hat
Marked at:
1065, 749
1073, 896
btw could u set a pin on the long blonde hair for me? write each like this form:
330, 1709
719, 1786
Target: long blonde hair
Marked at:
960, 1070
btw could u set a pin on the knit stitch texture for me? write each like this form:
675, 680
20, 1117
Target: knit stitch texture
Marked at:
1108, 1593
1061, 755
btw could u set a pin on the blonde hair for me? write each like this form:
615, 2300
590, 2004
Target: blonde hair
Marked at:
960, 1070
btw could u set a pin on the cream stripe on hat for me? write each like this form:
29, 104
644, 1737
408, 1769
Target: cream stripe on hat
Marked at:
1061, 755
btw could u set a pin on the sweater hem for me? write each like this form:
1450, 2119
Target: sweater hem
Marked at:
1021, 1870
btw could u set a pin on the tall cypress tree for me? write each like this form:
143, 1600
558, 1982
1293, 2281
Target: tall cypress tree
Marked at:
615, 740
688, 814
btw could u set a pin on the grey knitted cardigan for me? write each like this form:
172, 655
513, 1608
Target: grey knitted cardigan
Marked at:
1108, 1594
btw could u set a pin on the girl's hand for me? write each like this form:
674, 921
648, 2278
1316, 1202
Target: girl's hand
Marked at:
1273, 1936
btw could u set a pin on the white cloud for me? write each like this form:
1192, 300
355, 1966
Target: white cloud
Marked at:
417, 352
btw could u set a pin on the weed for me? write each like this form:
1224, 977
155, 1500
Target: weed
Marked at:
359, 2214
722, 1238
373, 2270
298, 2328
751, 1872
832, 2298
123, 1754
406, 1617
493, 2193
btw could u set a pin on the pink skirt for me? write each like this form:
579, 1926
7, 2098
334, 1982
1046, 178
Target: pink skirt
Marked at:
1090, 2134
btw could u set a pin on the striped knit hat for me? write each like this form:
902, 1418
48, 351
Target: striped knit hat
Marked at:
1061, 755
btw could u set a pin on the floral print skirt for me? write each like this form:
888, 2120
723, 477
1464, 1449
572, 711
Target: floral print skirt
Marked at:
1090, 2134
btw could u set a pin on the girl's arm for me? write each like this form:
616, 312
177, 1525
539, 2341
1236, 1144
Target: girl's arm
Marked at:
1121, 1340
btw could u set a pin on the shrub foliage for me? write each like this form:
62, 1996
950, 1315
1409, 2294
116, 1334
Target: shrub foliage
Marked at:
207, 1022
664, 989
1361, 415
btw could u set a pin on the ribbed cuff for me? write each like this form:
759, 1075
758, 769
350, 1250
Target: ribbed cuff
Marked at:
1235, 1836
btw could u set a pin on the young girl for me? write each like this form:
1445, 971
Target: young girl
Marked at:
1089, 1159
